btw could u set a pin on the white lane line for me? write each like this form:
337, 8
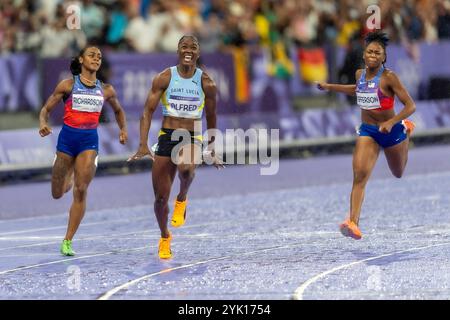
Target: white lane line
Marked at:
128, 284
29, 238
70, 259
64, 214
106, 253
113, 236
299, 292
65, 226
122, 234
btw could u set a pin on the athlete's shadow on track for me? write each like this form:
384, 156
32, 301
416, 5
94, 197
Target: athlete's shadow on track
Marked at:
398, 257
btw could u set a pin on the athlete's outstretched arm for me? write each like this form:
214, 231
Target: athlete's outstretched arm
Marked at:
348, 89
159, 85
64, 87
119, 113
343, 88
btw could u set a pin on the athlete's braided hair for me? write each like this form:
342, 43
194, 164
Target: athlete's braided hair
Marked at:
379, 37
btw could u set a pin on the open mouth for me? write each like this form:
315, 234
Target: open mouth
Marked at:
187, 58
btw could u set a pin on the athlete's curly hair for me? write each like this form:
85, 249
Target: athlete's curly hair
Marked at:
379, 37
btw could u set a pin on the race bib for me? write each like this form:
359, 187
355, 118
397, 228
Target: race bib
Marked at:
368, 100
187, 108
87, 103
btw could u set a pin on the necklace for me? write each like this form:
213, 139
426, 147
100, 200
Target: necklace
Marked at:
87, 80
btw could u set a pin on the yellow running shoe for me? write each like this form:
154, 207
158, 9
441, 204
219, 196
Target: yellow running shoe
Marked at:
179, 213
164, 251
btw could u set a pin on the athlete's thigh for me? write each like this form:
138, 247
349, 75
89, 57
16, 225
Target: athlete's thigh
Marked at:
62, 167
190, 154
85, 167
397, 154
365, 154
163, 173
190, 157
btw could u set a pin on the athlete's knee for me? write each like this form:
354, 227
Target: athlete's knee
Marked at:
161, 200
80, 191
186, 174
57, 194
360, 176
398, 173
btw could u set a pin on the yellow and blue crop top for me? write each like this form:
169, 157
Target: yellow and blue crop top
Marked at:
184, 98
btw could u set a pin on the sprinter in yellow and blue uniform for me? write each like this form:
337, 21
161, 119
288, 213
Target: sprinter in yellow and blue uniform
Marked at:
185, 91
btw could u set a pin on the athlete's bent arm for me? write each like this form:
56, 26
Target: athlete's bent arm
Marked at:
64, 87
404, 97
119, 113
210, 90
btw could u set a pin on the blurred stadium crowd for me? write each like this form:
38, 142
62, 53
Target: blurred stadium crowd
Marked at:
146, 26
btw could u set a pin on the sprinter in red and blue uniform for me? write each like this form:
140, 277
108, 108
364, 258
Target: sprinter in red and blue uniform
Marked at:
77, 149
375, 90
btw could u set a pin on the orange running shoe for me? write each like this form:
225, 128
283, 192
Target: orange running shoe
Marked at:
409, 126
179, 213
350, 229
164, 251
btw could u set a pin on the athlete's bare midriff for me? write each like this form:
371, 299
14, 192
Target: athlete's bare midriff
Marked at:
375, 117
181, 123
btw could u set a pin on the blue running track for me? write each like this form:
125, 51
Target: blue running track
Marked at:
247, 236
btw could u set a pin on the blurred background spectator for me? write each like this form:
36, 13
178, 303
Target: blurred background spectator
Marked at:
154, 25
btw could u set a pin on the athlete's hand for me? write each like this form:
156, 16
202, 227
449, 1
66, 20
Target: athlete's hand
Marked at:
321, 85
45, 130
143, 151
386, 127
123, 136
210, 157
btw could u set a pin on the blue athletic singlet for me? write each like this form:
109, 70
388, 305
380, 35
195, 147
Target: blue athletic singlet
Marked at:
184, 98
369, 95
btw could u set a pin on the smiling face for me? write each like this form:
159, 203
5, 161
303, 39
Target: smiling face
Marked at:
91, 59
188, 51
374, 55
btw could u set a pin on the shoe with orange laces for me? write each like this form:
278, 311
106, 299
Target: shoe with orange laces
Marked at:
350, 229
164, 251
179, 213
409, 126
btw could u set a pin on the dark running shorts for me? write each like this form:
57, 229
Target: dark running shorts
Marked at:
165, 144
